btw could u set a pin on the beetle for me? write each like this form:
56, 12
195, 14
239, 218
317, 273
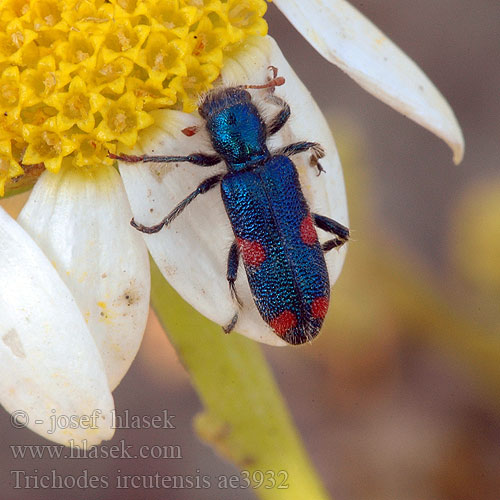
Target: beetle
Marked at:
274, 230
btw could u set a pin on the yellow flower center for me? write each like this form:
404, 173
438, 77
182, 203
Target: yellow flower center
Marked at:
79, 78
47, 144
9, 94
121, 121
77, 107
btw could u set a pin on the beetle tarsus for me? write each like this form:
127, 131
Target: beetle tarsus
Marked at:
127, 158
230, 327
147, 229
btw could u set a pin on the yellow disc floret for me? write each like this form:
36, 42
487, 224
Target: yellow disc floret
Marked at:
78, 78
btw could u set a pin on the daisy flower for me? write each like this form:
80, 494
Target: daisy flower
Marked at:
82, 78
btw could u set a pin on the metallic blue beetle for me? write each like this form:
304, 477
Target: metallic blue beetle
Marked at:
273, 227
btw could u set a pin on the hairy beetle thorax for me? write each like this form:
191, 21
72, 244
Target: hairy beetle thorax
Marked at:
236, 128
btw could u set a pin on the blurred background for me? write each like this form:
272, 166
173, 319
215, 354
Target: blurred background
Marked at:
399, 398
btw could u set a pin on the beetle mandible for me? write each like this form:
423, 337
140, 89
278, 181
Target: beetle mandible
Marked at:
274, 230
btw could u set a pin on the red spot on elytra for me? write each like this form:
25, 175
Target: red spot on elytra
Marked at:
253, 252
319, 307
307, 231
284, 322
190, 131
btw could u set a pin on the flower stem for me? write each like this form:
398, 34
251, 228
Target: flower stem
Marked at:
245, 418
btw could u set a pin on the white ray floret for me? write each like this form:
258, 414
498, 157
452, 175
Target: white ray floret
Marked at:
348, 39
80, 219
49, 363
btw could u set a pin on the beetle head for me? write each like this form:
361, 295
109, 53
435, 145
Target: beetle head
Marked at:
219, 99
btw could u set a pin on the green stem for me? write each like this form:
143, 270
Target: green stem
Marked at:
245, 418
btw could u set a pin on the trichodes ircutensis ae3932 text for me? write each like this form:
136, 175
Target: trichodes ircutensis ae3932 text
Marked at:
274, 230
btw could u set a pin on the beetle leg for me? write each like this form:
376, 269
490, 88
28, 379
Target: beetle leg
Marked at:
333, 227
200, 159
205, 186
233, 261
281, 118
300, 147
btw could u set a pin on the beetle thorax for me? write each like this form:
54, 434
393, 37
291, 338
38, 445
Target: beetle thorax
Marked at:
238, 134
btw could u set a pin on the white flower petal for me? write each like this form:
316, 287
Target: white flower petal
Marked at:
82, 223
348, 39
192, 252
49, 363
